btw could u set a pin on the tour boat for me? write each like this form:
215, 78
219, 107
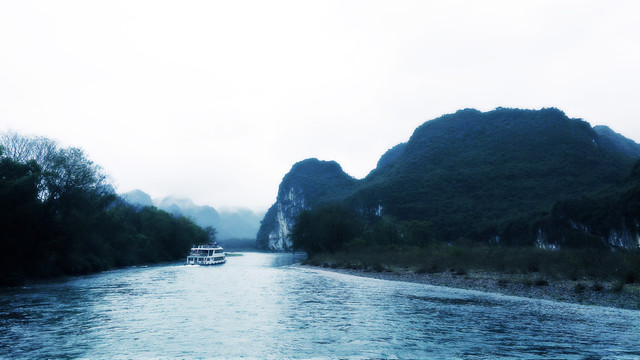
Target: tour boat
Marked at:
209, 254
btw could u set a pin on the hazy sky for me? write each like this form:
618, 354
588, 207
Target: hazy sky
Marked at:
216, 100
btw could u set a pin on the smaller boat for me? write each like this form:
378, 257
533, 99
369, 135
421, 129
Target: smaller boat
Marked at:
209, 254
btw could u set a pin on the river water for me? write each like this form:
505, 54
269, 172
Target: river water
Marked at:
262, 306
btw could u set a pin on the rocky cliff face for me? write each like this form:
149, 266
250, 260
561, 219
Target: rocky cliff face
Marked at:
274, 231
622, 237
307, 182
615, 237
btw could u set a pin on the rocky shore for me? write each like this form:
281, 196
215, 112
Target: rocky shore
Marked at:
582, 291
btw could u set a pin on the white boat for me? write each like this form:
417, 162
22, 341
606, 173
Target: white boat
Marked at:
209, 254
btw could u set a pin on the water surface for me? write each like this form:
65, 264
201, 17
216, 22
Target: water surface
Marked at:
261, 306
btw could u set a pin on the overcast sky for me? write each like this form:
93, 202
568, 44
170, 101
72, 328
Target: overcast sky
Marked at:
216, 100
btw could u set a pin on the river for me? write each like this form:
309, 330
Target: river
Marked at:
264, 306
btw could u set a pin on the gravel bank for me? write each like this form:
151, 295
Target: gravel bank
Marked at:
582, 291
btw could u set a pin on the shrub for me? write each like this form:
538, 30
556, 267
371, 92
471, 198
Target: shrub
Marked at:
540, 282
353, 266
597, 287
533, 267
377, 267
630, 277
427, 269
461, 272
357, 244
617, 286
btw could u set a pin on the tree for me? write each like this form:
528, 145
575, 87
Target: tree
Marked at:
325, 229
60, 215
211, 233
21, 222
419, 231
22, 149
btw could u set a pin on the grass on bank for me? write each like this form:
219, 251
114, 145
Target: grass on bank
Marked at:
593, 265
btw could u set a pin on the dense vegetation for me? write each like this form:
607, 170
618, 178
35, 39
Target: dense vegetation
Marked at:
622, 267
470, 172
608, 216
60, 216
490, 191
325, 229
335, 236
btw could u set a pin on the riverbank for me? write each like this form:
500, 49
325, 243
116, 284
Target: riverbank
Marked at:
580, 291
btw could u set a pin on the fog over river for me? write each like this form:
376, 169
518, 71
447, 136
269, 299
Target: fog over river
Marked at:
264, 306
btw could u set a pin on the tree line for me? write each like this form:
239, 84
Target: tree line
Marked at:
59, 215
334, 226
336, 235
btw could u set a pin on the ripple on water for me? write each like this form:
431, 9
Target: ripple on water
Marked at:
257, 306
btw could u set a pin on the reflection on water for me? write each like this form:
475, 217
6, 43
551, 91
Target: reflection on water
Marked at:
259, 306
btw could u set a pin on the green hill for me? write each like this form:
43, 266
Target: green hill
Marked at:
309, 183
470, 171
476, 175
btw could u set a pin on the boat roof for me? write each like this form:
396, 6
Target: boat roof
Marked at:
206, 246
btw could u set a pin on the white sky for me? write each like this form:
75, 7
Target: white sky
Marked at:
216, 100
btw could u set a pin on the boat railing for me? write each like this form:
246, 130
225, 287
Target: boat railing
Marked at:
206, 246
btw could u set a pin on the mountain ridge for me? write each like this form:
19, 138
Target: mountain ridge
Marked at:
239, 223
616, 141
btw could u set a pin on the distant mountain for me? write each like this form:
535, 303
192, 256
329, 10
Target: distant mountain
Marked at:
471, 174
138, 197
230, 224
202, 215
239, 223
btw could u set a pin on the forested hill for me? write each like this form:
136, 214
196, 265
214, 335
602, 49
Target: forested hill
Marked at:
309, 183
469, 171
475, 174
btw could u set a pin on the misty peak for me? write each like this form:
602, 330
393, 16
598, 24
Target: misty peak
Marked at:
138, 197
